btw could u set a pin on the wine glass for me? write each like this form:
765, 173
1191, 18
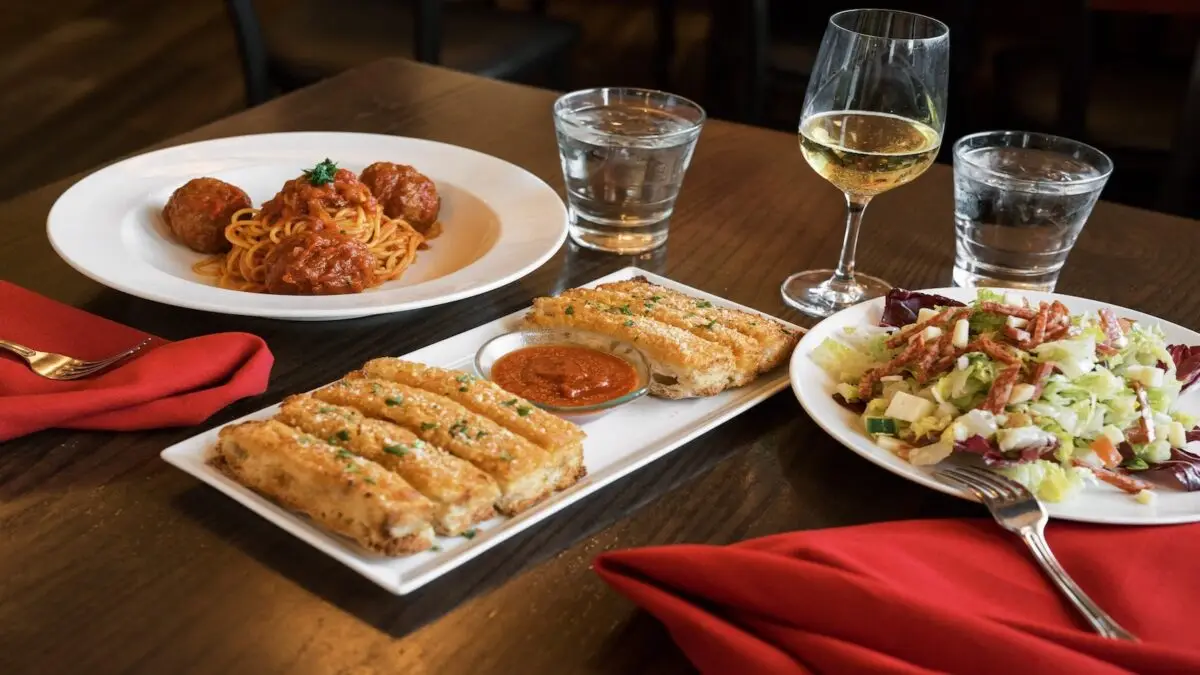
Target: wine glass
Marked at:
872, 120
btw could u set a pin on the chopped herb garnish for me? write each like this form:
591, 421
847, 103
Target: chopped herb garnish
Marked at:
398, 450
628, 322
344, 454
463, 388
481, 434
435, 548
624, 309
321, 173
426, 426
655, 298
459, 427
506, 457
418, 444
510, 402
343, 435
324, 409
465, 378
649, 306
524, 410
370, 480
352, 468
393, 401
375, 388
570, 311
710, 324
469, 534
703, 304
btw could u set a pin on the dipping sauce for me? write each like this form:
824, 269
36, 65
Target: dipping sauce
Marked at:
564, 375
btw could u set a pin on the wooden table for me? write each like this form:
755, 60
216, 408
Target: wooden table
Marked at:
113, 561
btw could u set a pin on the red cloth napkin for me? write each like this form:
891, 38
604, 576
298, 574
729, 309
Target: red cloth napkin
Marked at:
166, 384
922, 596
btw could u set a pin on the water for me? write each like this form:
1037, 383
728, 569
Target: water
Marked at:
623, 165
1017, 213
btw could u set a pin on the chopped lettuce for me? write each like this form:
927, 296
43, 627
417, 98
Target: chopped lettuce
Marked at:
842, 362
1050, 481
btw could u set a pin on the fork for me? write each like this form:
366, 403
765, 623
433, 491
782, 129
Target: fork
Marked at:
1016, 509
63, 367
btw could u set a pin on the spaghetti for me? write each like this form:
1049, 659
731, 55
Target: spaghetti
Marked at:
335, 202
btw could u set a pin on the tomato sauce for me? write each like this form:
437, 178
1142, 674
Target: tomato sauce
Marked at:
564, 375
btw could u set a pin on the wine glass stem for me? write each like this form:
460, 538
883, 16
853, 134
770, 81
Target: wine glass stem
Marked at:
843, 276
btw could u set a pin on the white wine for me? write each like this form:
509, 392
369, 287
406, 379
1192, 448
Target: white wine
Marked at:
866, 153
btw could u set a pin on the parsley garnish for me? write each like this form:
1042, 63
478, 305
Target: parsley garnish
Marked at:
343, 435
350, 468
710, 324
469, 534
393, 401
570, 311
321, 173
624, 309
398, 450
506, 457
524, 410
324, 409
703, 304
465, 378
628, 322
344, 454
459, 427
510, 402
370, 480
426, 426
480, 435
655, 298
463, 388
375, 388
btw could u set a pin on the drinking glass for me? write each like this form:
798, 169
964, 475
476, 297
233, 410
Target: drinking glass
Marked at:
1020, 201
624, 152
872, 120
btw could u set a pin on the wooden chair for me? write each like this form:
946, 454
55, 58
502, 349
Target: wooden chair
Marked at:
309, 40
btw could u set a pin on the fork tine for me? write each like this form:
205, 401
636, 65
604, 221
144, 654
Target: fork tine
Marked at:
85, 368
1008, 488
950, 479
973, 480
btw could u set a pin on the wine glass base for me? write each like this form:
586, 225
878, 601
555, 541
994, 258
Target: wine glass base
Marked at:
816, 294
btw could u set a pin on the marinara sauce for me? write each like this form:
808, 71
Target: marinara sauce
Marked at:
564, 375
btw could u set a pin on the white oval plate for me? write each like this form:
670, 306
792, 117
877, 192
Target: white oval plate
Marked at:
500, 222
1099, 503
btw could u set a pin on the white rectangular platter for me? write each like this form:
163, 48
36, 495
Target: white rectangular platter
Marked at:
617, 444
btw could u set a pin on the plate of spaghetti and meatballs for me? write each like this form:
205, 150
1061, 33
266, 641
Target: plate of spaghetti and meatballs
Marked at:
308, 226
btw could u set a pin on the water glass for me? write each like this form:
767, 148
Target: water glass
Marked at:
1020, 201
624, 152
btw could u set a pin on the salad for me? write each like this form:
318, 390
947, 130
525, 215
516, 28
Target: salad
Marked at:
1051, 399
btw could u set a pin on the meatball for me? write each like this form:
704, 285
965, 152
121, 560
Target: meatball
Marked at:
405, 193
319, 263
199, 210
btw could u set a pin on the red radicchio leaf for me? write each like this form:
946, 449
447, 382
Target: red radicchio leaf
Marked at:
1193, 434
1187, 363
992, 456
1181, 471
900, 307
978, 445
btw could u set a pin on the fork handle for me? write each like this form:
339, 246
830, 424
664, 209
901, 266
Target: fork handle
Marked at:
1101, 621
20, 350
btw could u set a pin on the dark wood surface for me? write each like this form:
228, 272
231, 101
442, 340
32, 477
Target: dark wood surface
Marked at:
111, 561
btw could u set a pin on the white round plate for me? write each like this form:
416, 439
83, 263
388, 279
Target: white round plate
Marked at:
1100, 503
500, 222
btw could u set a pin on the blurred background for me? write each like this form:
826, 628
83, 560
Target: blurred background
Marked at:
83, 82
